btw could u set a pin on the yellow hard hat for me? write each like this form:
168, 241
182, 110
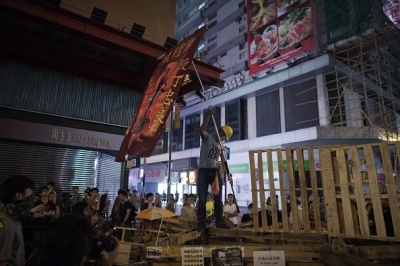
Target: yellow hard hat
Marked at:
228, 131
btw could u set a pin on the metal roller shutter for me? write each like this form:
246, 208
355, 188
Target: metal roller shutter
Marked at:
66, 167
108, 177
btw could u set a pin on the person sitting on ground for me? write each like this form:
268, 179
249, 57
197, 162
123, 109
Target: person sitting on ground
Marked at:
371, 219
269, 214
210, 209
230, 211
68, 242
187, 209
247, 218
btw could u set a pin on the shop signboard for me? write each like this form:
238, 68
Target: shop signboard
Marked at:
278, 31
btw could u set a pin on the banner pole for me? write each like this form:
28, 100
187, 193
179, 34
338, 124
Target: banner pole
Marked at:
223, 155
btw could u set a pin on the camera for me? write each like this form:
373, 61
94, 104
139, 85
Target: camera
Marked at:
103, 240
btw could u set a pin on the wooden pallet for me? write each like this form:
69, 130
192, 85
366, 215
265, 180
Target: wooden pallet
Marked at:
346, 176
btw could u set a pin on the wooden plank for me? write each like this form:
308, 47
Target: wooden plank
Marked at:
292, 187
303, 189
374, 191
391, 188
262, 191
253, 181
314, 188
328, 185
291, 250
272, 190
285, 215
344, 191
359, 192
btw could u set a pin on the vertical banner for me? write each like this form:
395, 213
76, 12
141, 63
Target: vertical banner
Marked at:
278, 31
161, 92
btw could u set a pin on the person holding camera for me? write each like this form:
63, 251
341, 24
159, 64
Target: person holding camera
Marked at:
71, 241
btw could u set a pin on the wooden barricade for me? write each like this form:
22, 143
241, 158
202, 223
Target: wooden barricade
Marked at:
340, 181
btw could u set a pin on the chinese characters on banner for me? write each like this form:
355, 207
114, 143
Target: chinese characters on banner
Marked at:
275, 258
192, 256
161, 92
278, 31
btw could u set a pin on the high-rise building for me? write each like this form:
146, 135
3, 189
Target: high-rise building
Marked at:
297, 73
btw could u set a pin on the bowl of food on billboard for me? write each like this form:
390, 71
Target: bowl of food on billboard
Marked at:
265, 44
295, 27
286, 5
261, 13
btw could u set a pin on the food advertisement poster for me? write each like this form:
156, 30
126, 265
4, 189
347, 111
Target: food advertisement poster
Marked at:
391, 8
161, 92
278, 31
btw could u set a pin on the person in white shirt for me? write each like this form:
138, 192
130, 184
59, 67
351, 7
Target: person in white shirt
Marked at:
230, 210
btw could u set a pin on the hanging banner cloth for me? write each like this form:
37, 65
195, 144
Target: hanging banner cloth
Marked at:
161, 92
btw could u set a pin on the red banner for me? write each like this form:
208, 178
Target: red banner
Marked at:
278, 31
161, 92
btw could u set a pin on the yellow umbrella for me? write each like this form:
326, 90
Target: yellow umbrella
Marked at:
154, 214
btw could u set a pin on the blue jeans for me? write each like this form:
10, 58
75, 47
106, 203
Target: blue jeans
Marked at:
204, 179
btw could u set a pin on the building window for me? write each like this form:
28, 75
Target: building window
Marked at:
212, 46
217, 116
177, 138
301, 106
222, 55
202, 5
243, 55
242, 46
235, 117
214, 37
192, 127
212, 24
201, 25
242, 28
267, 114
242, 4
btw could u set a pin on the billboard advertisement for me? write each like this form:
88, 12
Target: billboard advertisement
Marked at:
391, 8
278, 31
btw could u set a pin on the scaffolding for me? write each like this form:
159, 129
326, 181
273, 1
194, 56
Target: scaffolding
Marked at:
363, 87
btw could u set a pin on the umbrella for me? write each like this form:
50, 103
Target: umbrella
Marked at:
154, 214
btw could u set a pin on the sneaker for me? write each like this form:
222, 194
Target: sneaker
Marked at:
223, 226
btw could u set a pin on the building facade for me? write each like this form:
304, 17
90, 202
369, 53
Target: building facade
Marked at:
341, 89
